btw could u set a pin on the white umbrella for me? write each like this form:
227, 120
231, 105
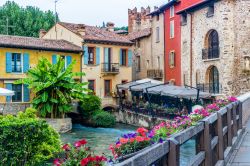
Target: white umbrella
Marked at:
6, 92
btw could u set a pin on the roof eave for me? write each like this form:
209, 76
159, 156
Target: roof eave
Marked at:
108, 42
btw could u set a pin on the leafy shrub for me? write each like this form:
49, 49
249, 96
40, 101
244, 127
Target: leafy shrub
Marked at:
90, 104
26, 140
103, 119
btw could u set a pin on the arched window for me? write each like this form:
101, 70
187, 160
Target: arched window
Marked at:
213, 45
214, 84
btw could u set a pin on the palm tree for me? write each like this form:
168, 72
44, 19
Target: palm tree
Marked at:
54, 87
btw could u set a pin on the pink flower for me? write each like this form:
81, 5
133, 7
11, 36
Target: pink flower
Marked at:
232, 99
80, 143
66, 147
142, 131
57, 162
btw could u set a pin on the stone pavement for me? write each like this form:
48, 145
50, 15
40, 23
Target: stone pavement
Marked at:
241, 155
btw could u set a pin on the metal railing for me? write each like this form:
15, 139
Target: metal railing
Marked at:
210, 53
155, 73
210, 88
216, 137
110, 68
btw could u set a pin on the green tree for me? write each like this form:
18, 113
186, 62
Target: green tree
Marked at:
25, 21
121, 28
54, 87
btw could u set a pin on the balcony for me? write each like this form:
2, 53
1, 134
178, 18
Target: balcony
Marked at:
210, 88
155, 74
110, 68
210, 53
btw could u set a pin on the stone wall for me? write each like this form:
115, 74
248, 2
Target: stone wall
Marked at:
135, 119
61, 125
13, 108
231, 21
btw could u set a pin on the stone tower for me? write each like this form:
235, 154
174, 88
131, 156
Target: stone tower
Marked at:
138, 20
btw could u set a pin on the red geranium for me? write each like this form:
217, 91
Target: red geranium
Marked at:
66, 147
142, 131
57, 162
80, 143
139, 138
85, 162
123, 140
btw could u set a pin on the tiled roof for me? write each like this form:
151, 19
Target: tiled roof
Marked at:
139, 34
37, 44
95, 34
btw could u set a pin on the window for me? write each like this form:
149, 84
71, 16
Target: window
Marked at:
91, 53
213, 45
157, 34
124, 57
158, 62
210, 11
172, 59
18, 89
107, 88
171, 11
184, 19
16, 62
138, 63
91, 85
171, 29
65, 61
214, 84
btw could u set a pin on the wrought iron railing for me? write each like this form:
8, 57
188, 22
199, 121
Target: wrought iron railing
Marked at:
155, 73
211, 88
210, 53
110, 67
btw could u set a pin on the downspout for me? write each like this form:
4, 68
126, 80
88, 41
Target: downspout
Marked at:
191, 49
164, 56
81, 64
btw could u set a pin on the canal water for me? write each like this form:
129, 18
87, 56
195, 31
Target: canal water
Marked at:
99, 139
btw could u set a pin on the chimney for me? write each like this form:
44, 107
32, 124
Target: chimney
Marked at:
42, 32
110, 26
81, 30
148, 10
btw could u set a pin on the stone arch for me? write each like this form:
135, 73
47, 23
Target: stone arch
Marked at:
109, 107
213, 79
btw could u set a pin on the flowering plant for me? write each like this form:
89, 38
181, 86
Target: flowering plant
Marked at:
213, 107
198, 114
130, 143
79, 155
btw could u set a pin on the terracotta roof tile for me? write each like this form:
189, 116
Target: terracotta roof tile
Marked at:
37, 43
96, 34
139, 34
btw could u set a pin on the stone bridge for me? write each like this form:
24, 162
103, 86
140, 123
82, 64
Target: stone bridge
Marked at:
221, 139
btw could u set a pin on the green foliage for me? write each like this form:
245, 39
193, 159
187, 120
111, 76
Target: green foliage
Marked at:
25, 140
121, 28
90, 104
29, 113
54, 87
26, 21
103, 119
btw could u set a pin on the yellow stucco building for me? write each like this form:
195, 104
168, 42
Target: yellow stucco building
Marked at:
19, 54
107, 58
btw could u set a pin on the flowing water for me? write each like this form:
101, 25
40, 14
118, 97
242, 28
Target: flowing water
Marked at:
99, 139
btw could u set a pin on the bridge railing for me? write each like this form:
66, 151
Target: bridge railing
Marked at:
215, 137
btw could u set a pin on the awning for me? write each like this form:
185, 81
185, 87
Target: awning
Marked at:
6, 92
139, 85
177, 91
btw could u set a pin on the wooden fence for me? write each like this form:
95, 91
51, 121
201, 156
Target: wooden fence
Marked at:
215, 136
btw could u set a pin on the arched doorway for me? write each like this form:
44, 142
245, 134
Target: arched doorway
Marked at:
214, 84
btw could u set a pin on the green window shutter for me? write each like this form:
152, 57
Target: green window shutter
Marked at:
8, 62
54, 59
120, 56
98, 55
69, 60
9, 87
26, 93
86, 55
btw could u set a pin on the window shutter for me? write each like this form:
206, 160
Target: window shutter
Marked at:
97, 55
54, 59
130, 58
8, 62
106, 54
86, 55
9, 87
26, 93
26, 62
69, 60
120, 56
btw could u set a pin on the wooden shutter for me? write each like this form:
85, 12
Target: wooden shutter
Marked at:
26, 93
98, 55
130, 58
26, 62
8, 62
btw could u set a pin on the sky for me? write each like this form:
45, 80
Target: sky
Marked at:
91, 12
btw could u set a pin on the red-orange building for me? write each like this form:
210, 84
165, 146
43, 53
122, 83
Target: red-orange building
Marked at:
172, 26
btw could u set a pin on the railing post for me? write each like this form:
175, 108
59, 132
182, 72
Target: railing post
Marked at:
207, 144
220, 137
234, 120
174, 153
229, 127
240, 116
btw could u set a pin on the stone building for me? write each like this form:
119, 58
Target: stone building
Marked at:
146, 30
215, 46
